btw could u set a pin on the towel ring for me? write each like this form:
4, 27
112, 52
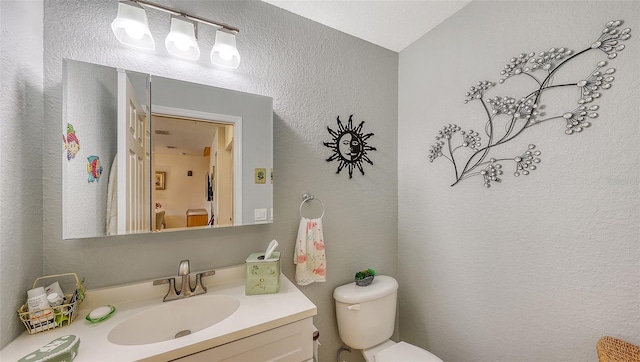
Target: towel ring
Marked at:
308, 197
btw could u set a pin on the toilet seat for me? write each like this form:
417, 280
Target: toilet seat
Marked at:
405, 352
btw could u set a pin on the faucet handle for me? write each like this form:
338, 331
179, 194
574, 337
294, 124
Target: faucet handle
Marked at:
161, 281
183, 268
201, 289
171, 293
206, 273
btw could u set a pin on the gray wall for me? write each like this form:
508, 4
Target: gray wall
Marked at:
314, 74
21, 162
535, 268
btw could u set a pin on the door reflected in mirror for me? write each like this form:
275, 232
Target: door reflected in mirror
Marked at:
172, 155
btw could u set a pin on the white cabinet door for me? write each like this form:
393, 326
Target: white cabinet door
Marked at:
290, 343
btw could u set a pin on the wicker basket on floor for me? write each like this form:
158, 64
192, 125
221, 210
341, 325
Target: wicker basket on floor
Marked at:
615, 350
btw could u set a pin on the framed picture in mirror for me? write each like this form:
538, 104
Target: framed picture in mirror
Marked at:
160, 180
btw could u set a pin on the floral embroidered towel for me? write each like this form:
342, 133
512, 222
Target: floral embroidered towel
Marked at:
310, 258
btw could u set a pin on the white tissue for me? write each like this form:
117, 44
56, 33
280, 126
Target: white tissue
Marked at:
270, 249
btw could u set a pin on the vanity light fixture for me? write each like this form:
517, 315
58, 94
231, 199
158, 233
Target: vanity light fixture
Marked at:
182, 39
131, 27
224, 50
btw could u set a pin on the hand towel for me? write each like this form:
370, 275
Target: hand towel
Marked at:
310, 257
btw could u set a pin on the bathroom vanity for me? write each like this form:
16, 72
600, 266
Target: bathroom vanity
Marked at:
275, 327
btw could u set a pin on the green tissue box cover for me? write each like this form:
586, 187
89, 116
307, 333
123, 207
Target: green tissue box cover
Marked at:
263, 275
63, 349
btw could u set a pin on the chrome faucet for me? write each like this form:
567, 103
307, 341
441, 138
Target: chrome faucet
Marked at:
185, 287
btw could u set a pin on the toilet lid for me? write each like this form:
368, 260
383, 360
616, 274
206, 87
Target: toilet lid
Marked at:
405, 352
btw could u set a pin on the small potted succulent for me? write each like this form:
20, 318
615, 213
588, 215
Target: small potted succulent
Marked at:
365, 277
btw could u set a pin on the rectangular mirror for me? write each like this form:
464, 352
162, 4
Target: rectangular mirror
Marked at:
143, 153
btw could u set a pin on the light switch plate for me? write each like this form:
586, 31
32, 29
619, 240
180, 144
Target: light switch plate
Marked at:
260, 214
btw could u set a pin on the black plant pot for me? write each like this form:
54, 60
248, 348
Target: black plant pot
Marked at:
364, 281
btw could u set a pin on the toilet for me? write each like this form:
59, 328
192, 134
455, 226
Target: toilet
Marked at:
366, 317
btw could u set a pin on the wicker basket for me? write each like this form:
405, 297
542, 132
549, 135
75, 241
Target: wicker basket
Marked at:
55, 317
615, 350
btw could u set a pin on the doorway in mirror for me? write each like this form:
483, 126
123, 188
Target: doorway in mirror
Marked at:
196, 157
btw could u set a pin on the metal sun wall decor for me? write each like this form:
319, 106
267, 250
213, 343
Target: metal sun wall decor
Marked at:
349, 146
521, 114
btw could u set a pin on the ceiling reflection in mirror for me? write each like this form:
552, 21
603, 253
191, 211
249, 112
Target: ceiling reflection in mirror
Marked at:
143, 153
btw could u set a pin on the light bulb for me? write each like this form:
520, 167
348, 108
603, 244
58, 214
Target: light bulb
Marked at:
134, 31
181, 40
224, 50
131, 26
182, 46
226, 54
181, 43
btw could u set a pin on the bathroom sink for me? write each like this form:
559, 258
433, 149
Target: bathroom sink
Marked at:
173, 320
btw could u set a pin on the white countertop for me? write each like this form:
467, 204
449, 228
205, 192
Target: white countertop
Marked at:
257, 313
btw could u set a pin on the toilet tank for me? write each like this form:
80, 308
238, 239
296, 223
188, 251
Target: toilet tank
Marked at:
366, 315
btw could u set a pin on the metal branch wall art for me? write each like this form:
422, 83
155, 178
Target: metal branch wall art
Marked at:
518, 115
349, 146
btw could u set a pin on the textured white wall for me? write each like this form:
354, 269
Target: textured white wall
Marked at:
314, 74
535, 268
21, 162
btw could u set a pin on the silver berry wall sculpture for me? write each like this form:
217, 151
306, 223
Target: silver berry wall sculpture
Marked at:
518, 115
